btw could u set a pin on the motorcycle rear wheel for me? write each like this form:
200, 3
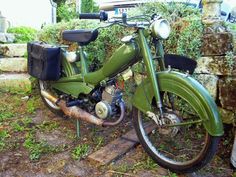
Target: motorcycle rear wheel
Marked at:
181, 149
45, 85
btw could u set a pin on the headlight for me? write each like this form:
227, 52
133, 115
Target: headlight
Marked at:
160, 28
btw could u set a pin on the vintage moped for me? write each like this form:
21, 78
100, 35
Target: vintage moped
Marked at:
175, 118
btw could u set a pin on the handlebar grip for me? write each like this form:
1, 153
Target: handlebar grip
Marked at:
89, 16
103, 16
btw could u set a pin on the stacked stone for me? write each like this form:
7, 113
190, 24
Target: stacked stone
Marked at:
217, 67
6, 38
13, 69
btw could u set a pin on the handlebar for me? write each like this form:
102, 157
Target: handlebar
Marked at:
103, 16
124, 20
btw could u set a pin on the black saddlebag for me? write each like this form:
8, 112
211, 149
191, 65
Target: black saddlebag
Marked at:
44, 61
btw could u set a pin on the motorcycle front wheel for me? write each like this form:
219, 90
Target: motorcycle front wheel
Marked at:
179, 140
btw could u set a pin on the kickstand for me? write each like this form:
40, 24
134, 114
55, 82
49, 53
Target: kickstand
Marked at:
78, 128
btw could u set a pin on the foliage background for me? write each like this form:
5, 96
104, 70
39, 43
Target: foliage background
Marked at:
99, 50
67, 12
23, 34
185, 38
187, 29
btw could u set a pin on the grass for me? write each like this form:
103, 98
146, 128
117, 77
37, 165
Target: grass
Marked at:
32, 104
6, 115
38, 148
20, 135
4, 134
80, 151
147, 164
21, 125
98, 141
35, 148
48, 126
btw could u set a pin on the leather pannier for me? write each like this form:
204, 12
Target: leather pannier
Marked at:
44, 61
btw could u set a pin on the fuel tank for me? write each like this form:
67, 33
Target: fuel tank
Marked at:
124, 55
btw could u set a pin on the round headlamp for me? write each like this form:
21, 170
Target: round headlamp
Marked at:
160, 29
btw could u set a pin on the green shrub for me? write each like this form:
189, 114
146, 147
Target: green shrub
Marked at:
103, 47
23, 34
185, 38
66, 12
187, 29
88, 6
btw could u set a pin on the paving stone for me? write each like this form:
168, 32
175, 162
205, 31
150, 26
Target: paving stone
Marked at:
13, 64
13, 50
15, 83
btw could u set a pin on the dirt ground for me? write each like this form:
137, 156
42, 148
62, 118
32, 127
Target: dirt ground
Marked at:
36, 142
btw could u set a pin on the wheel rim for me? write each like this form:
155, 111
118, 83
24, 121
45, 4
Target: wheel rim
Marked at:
186, 146
43, 86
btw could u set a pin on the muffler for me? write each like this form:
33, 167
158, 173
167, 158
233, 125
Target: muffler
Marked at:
74, 111
80, 114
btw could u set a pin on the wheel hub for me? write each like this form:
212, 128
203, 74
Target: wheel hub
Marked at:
169, 118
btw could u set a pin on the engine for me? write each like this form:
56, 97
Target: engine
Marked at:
111, 96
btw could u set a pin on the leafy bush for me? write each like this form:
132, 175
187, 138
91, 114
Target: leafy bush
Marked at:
108, 38
185, 38
66, 12
186, 35
23, 34
88, 6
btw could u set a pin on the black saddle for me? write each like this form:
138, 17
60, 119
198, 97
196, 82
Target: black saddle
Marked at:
83, 36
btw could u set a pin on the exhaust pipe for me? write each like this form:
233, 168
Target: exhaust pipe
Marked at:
73, 111
80, 114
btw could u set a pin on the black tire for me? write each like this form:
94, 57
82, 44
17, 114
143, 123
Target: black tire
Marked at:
175, 148
52, 107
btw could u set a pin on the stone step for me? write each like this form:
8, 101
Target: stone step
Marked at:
7, 38
13, 64
15, 83
13, 50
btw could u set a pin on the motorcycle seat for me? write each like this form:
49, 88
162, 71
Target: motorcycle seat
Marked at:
82, 36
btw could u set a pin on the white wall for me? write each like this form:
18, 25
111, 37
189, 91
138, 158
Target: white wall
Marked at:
31, 13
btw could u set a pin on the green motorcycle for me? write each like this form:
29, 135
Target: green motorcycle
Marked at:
175, 118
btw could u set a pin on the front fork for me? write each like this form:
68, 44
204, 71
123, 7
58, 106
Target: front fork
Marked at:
151, 72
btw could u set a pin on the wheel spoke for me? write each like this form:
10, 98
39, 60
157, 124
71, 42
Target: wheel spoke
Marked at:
181, 139
183, 124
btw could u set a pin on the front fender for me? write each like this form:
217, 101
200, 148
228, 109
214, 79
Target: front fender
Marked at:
190, 90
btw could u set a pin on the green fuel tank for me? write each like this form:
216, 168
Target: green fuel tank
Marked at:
120, 58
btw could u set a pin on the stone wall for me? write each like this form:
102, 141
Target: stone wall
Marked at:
217, 67
217, 71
